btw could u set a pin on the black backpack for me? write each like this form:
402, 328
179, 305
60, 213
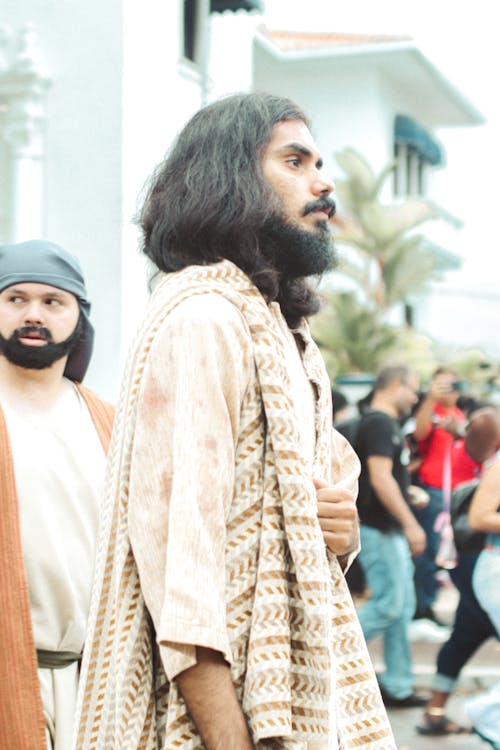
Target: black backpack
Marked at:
349, 429
466, 540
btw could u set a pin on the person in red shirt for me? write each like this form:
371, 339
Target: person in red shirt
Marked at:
439, 430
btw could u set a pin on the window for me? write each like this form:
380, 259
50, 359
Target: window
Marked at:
415, 152
219, 6
192, 30
410, 171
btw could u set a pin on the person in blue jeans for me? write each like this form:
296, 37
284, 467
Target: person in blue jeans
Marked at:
390, 534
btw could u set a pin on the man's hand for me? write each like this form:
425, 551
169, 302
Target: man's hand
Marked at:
415, 536
451, 424
338, 518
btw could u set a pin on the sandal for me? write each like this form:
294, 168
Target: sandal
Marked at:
437, 724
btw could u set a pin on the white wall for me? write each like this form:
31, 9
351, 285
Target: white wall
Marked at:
463, 317
160, 94
118, 97
82, 172
353, 102
231, 41
341, 112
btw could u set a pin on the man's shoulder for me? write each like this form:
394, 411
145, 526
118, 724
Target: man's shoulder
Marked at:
370, 419
200, 329
206, 308
201, 320
373, 418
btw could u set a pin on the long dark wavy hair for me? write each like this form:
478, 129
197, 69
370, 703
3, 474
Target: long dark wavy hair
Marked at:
208, 199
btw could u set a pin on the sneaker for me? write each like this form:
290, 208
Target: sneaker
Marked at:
411, 701
427, 631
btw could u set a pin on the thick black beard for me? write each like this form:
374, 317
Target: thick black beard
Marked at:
38, 357
297, 252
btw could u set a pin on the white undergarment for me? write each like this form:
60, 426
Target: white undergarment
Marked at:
59, 468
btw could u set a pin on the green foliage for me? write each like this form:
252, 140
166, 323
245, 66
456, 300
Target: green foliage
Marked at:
387, 262
349, 331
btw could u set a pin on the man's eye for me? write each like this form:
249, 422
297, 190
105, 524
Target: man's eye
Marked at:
15, 299
52, 302
294, 161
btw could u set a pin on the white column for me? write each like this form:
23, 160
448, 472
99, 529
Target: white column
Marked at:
26, 187
23, 90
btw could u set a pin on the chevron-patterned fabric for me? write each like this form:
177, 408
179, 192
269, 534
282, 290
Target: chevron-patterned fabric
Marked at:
287, 601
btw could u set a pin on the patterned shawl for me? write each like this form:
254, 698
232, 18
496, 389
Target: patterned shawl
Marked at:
22, 723
287, 604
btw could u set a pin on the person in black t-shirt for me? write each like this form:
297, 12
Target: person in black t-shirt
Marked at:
380, 435
390, 534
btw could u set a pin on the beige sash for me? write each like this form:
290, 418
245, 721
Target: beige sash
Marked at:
286, 602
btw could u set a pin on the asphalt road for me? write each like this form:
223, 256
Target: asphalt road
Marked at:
481, 672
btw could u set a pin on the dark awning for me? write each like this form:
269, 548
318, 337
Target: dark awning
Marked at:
219, 6
410, 133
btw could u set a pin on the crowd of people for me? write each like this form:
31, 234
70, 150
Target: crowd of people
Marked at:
403, 436
174, 574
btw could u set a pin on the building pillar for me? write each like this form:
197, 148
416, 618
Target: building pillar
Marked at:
23, 93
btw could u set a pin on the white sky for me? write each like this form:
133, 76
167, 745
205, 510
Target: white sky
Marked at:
462, 40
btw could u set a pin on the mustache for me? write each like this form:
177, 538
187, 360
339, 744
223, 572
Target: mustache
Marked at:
43, 332
321, 204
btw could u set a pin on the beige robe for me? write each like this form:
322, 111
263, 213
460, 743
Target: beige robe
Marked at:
23, 723
59, 464
199, 370
211, 518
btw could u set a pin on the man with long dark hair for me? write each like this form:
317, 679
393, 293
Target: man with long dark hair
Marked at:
222, 618
53, 437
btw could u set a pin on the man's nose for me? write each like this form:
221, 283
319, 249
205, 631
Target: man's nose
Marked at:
33, 315
323, 185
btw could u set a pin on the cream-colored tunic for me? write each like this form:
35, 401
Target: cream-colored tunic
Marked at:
199, 369
59, 467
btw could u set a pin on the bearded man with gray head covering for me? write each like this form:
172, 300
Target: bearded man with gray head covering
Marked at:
53, 437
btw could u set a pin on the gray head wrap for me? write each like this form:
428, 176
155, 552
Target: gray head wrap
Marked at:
44, 262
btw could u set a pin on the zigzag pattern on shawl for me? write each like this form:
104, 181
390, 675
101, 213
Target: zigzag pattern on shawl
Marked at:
281, 666
361, 716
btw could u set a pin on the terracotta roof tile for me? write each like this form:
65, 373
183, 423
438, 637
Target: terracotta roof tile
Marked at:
291, 41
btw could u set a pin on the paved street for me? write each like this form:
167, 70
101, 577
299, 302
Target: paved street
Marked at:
404, 722
481, 672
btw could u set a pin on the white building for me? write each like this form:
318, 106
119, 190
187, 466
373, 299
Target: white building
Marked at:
382, 96
92, 94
